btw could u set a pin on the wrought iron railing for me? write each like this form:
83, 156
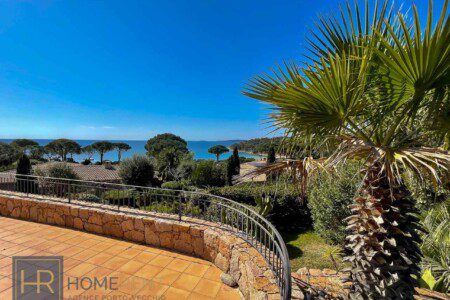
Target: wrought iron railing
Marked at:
243, 220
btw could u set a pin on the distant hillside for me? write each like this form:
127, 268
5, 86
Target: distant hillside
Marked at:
260, 145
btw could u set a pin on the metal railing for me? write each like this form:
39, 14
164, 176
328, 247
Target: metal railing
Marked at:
242, 220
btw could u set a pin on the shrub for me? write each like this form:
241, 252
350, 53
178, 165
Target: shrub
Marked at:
23, 165
185, 168
177, 185
87, 162
172, 185
120, 197
137, 170
288, 212
57, 170
208, 173
88, 197
244, 160
329, 197
8, 154
426, 195
436, 243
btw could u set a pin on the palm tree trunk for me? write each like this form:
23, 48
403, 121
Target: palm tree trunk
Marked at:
101, 157
119, 154
217, 157
383, 242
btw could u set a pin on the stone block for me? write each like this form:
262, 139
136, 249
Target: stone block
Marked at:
139, 224
127, 225
222, 262
151, 238
94, 228
113, 230
78, 223
163, 226
83, 213
95, 218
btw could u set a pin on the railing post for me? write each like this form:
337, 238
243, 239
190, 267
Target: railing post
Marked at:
180, 206
69, 192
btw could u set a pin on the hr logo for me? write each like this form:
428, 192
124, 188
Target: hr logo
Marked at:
37, 277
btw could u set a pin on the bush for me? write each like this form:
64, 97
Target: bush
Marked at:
426, 195
329, 197
137, 170
208, 173
173, 185
57, 170
88, 197
86, 162
120, 197
185, 169
436, 243
178, 185
23, 165
244, 160
8, 154
288, 212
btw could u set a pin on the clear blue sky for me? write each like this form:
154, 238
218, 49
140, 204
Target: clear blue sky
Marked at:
132, 69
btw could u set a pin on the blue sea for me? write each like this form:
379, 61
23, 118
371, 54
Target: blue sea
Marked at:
199, 148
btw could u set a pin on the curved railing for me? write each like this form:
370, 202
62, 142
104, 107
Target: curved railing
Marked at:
230, 215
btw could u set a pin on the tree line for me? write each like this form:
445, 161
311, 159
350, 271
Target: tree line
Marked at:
59, 149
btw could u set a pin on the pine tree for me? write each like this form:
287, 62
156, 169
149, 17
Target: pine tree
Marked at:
236, 161
23, 183
231, 169
23, 165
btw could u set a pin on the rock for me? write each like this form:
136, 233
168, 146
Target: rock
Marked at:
128, 225
297, 294
228, 280
303, 271
329, 272
315, 272
222, 262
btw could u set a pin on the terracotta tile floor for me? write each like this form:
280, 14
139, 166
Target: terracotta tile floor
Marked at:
140, 270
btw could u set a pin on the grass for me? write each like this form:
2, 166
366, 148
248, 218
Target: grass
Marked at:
308, 249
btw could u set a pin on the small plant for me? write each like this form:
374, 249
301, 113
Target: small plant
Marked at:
88, 197
264, 204
428, 281
335, 254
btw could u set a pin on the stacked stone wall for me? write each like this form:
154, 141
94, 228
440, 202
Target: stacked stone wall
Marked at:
228, 252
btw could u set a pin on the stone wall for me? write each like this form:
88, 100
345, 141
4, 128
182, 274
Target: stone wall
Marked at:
329, 284
325, 283
190, 236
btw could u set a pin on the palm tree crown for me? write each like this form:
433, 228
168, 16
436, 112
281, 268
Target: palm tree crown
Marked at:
376, 88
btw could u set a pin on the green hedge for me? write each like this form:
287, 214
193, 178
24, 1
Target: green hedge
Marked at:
288, 212
329, 197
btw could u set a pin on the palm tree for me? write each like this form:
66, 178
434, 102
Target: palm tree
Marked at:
121, 147
375, 86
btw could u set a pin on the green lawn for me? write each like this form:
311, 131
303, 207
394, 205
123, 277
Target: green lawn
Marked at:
308, 249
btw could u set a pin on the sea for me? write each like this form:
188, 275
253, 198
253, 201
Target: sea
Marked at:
199, 148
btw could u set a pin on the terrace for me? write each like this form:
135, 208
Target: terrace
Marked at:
140, 270
161, 242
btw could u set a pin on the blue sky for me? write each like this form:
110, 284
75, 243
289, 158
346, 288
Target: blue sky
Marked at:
132, 69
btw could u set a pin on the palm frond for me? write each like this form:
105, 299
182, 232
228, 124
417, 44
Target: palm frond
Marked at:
300, 170
323, 101
416, 61
350, 31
